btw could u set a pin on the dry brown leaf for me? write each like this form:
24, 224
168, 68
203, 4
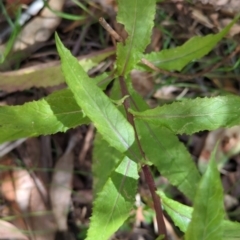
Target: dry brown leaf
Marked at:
229, 145
43, 223
230, 201
61, 186
227, 5
109, 6
200, 17
234, 30
166, 92
83, 197
41, 27
26, 193
9, 231
170, 230
142, 82
7, 147
12, 6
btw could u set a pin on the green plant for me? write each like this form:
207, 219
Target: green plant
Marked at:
131, 136
16, 28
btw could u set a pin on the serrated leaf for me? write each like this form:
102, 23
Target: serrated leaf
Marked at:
56, 113
163, 149
114, 203
208, 208
179, 213
96, 105
137, 17
182, 214
231, 230
194, 115
105, 160
194, 48
45, 75
169, 155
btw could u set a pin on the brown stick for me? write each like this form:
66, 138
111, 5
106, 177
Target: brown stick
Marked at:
110, 30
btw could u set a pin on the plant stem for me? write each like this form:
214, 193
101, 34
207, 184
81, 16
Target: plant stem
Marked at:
147, 173
156, 201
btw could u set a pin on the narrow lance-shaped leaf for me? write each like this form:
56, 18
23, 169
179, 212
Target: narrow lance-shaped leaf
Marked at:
115, 202
96, 105
208, 209
179, 213
61, 185
137, 17
46, 74
56, 113
165, 151
182, 215
194, 115
133, 152
105, 160
169, 155
194, 48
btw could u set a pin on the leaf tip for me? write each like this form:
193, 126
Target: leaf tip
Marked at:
59, 44
57, 39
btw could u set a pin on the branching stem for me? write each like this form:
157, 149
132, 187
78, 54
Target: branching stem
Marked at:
147, 173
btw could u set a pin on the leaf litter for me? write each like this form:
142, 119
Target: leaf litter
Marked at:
176, 22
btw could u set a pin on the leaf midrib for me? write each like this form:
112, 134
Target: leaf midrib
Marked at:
118, 195
131, 39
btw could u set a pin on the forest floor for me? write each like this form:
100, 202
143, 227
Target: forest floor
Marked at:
30, 70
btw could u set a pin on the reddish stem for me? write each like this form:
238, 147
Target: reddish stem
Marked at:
156, 201
145, 168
